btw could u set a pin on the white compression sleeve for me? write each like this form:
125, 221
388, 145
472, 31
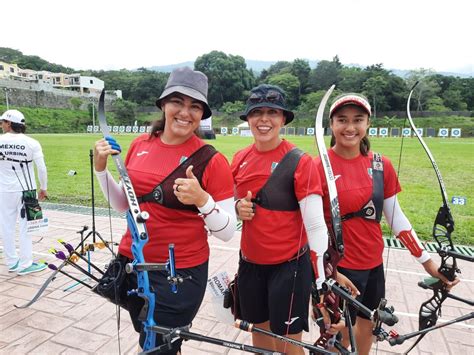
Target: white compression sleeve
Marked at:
398, 223
42, 173
313, 218
219, 217
113, 192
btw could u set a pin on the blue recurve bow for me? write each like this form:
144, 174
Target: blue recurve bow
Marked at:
136, 223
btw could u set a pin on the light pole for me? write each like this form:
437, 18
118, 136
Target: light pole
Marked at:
6, 96
93, 114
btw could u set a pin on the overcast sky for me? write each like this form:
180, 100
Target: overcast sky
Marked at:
101, 34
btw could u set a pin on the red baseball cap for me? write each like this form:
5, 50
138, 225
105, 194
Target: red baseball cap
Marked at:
350, 99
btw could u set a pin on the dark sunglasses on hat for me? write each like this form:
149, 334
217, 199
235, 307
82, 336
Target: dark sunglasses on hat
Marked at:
271, 96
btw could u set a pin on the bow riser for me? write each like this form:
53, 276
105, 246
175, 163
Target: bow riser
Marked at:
136, 223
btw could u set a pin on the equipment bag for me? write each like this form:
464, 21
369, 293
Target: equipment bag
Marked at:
31, 208
113, 285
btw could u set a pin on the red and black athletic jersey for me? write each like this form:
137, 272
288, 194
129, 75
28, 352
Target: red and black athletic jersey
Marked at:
148, 162
363, 243
272, 237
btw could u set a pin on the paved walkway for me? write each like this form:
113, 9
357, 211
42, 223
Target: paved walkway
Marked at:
79, 322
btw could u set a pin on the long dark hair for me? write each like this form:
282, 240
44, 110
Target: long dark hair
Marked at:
158, 126
18, 127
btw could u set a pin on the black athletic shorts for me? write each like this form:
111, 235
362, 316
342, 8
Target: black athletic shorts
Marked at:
271, 292
171, 309
371, 285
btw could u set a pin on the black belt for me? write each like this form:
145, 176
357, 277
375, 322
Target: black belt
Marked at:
300, 252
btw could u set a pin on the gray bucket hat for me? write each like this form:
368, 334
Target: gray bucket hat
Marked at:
266, 95
189, 82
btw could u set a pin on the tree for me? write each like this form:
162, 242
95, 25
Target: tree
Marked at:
290, 84
311, 101
233, 107
325, 74
352, 79
467, 92
148, 86
395, 94
374, 88
436, 104
426, 89
300, 68
453, 99
33, 62
279, 67
228, 77
125, 111
76, 103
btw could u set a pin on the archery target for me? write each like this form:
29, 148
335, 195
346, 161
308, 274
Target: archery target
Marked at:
443, 132
456, 132
373, 131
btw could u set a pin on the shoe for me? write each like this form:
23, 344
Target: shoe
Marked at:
35, 267
14, 267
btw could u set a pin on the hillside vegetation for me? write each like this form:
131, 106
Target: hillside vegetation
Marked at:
47, 120
44, 120
230, 81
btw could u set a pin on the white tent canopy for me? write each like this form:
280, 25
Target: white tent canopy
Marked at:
244, 125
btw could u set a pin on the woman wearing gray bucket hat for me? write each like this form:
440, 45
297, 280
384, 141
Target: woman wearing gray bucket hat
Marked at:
283, 233
367, 187
186, 186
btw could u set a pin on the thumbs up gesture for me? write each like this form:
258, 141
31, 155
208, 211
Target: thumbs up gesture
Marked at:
189, 191
245, 208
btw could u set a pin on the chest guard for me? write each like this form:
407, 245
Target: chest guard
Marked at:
372, 210
278, 193
163, 192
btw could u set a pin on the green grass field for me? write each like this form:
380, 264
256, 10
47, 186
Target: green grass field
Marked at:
420, 198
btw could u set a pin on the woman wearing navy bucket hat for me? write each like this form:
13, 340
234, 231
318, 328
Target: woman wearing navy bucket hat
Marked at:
279, 201
367, 187
186, 186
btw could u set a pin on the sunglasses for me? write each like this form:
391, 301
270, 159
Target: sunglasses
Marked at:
271, 96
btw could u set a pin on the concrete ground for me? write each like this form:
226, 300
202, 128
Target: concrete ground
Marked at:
76, 321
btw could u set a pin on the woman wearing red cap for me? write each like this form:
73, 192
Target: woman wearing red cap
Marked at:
280, 205
186, 187
367, 187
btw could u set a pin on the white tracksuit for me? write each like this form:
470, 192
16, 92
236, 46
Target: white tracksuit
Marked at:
17, 146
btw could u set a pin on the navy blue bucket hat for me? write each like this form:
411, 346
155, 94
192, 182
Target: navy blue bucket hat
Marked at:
189, 82
266, 95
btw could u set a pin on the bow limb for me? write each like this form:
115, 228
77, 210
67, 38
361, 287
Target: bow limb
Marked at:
336, 247
136, 223
442, 228
330, 179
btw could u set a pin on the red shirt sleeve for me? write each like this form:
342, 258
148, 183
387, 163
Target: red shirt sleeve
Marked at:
217, 178
391, 185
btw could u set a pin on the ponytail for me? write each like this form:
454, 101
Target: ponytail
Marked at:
18, 127
364, 146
